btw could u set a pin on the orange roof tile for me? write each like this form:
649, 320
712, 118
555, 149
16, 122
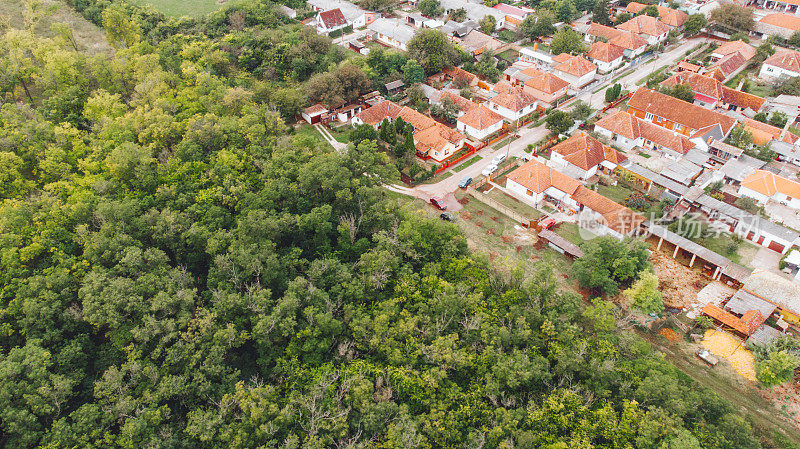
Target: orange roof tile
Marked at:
763, 133
782, 21
669, 16
515, 99
333, 18
463, 104
689, 66
544, 81
375, 114
768, 183
417, 120
457, 72
678, 111
644, 24
713, 88
436, 138
746, 325
632, 127
584, 151
616, 216
785, 59
315, 109
599, 30
576, 65
537, 177
628, 40
746, 50
480, 118
604, 51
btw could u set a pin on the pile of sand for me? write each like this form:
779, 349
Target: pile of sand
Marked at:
723, 344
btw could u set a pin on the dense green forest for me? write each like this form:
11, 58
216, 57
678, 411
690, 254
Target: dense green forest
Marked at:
179, 270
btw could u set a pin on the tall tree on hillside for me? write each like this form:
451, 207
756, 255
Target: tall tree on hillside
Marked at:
609, 264
433, 50
600, 13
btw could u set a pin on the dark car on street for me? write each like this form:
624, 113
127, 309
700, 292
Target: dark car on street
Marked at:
447, 216
465, 182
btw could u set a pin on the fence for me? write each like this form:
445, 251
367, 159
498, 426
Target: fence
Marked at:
451, 162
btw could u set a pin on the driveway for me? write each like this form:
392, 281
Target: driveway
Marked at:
783, 214
766, 259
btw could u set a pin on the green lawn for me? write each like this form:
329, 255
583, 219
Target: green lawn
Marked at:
573, 233
467, 164
515, 205
504, 142
616, 193
342, 133
178, 8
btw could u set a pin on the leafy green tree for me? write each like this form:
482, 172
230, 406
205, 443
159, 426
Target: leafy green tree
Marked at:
649, 10
644, 294
413, 72
566, 40
361, 133
733, 16
609, 264
794, 39
433, 50
613, 92
458, 15
565, 11
694, 24
740, 137
430, 8
778, 119
777, 369
121, 29
622, 18
600, 13
580, 110
558, 122
681, 91
538, 25
488, 24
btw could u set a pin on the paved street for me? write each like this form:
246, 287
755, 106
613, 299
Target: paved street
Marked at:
534, 135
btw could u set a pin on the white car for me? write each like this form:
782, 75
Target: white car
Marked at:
489, 170
498, 159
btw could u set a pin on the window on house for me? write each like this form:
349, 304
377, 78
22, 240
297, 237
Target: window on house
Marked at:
648, 116
678, 127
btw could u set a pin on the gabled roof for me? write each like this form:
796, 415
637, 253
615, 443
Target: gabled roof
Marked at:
476, 42
727, 65
745, 325
436, 137
457, 72
513, 10
763, 133
685, 65
585, 152
604, 51
464, 105
332, 18
746, 50
544, 81
575, 65
782, 21
630, 126
480, 118
712, 87
628, 40
315, 110
537, 177
678, 111
599, 30
394, 28
375, 115
615, 215
785, 59
669, 16
417, 120
649, 26
515, 99
768, 183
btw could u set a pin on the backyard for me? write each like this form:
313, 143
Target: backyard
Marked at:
178, 8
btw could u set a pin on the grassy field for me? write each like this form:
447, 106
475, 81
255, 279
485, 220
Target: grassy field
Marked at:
89, 38
616, 193
178, 8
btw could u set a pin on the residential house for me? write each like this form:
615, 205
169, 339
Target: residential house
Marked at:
537, 58
514, 15
724, 152
632, 44
782, 292
606, 56
375, 115
672, 17
391, 32
628, 132
686, 66
352, 14
513, 104
313, 114
764, 133
711, 93
576, 70
464, 105
781, 6
582, 156
648, 28
703, 7
394, 87
459, 76
745, 50
330, 20
416, 119
544, 86
438, 141
476, 43
535, 183
479, 123
778, 24
686, 118
782, 64
764, 186
476, 11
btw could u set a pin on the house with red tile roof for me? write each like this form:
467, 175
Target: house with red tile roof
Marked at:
583, 156
513, 103
576, 70
464, 105
606, 56
544, 86
764, 133
438, 141
672, 17
711, 93
685, 118
632, 44
746, 50
375, 115
330, 20
764, 186
784, 63
535, 183
729, 59
648, 28
778, 24
628, 132
686, 66
313, 114
480, 123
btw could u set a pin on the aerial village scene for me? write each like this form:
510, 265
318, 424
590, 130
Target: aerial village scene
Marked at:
400, 223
